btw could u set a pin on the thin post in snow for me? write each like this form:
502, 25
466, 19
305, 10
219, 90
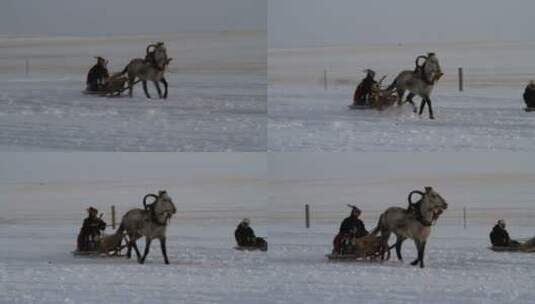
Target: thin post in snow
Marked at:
464, 217
113, 216
461, 80
27, 67
325, 84
307, 216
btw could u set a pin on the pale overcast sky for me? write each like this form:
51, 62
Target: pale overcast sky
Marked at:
105, 17
298, 23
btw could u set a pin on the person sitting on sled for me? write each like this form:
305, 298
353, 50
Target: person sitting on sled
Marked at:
98, 76
351, 227
244, 234
90, 231
364, 89
529, 94
499, 237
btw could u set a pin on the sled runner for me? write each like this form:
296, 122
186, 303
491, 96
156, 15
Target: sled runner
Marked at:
513, 249
359, 107
261, 244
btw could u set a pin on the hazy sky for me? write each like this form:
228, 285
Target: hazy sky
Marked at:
297, 23
104, 17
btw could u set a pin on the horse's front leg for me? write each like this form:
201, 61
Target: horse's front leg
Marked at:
422, 106
164, 81
428, 101
157, 85
164, 250
145, 89
147, 248
420, 247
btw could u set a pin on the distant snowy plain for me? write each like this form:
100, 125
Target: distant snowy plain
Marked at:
487, 116
217, 95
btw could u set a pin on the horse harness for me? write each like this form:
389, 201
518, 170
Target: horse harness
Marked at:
414, 210
153, 217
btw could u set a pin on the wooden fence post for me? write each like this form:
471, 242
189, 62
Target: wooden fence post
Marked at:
464, 217
113, 216
307, 216
27, 67
461, 80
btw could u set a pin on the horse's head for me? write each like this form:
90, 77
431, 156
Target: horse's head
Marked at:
432, 69
160, 55
433, 204
164, 208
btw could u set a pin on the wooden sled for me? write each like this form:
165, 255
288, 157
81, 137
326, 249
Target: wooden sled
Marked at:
96, 253
115, 88
367, 248
513, 249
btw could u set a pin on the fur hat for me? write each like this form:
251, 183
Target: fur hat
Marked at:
501, 223
369, 72
92, 210
245, 221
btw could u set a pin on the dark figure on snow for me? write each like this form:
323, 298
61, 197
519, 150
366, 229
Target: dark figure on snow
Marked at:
90, 232
351, 227
98, 75
364, 89
245, 236
499, 237
529, 95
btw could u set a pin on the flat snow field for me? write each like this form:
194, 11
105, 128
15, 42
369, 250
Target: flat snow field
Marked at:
37, 267
487, 116
217, 95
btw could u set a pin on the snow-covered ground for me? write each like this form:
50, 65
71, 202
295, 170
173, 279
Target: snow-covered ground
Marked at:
486, 116
217, 95
43, 195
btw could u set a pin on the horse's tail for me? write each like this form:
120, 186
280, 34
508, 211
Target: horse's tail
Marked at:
123, 71
121, 228
377, 229
393, 85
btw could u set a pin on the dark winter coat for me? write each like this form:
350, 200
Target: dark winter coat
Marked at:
499, 237
90, 230
529, 96
244, 235
353, 225
363, 90
96, 77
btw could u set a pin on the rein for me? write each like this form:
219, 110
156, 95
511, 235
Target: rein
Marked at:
414, 208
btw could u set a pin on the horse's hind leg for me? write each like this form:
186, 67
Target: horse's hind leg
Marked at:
131, 86
164, 250
145, 89
401, 94
147, 248
164, 81
422, 106
409, 100
134, 245
157, 85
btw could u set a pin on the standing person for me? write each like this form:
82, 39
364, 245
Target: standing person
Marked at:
90, 230
529, 94
351, 227
98, 75
364, 89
